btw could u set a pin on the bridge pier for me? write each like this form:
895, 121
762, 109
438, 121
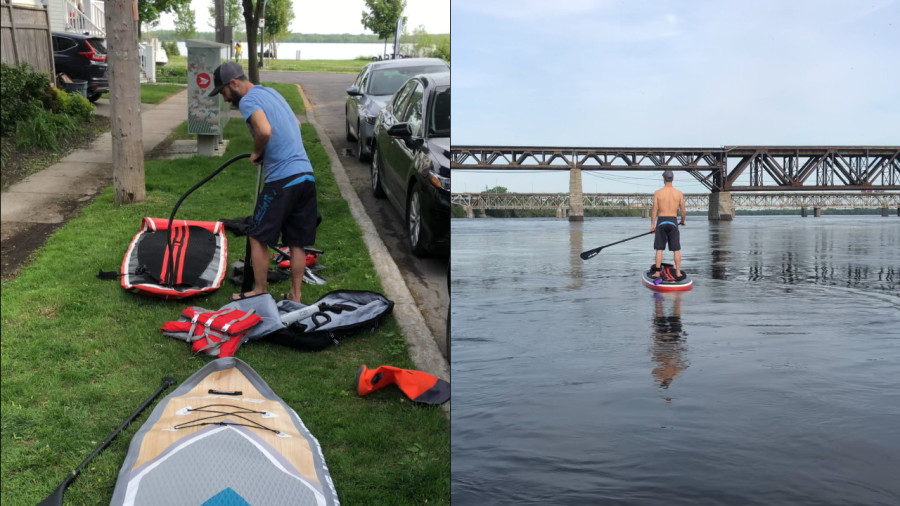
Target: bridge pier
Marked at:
803, 212
817, 212
721, 207
560, 211
470, 212
576, 197
645, 213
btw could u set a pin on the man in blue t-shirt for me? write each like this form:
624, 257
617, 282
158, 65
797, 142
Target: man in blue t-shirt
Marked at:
286, 206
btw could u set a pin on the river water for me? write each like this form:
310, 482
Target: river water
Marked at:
319, 50
774, 381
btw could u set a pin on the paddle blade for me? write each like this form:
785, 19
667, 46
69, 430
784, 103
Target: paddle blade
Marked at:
56, 497
591, 253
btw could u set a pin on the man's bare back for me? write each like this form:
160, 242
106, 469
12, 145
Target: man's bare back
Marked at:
667, 201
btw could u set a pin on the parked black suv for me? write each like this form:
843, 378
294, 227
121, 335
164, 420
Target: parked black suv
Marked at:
82, 57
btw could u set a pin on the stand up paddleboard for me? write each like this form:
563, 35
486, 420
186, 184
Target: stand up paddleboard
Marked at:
661, 285
224, 437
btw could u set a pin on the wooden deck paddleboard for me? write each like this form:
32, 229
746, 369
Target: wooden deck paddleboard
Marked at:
224, 437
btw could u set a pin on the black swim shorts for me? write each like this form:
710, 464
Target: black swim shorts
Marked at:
667, 233
286, 208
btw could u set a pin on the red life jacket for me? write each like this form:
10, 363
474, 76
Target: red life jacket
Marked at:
216, 333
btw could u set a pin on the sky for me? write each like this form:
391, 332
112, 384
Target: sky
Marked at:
700, 73
337, 16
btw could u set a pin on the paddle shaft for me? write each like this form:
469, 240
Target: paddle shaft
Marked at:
249, 277
592, 253
55, 498
169, 276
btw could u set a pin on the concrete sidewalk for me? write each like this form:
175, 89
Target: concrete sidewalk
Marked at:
50, 197
46, 197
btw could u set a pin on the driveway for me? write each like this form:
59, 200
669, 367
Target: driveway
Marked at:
426, 278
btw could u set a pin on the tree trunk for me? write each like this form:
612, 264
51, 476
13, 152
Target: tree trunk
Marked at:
252, 15
125, 101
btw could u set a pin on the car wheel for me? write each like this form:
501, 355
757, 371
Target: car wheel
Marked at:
95, 97
377, 189
414, 222
361, 144
347, 127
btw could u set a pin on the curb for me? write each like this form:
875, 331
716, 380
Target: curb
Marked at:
422, 348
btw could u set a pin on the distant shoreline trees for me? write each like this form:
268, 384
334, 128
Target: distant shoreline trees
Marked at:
363, 38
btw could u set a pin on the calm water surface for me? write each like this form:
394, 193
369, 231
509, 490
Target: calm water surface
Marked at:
774, 381
318, 50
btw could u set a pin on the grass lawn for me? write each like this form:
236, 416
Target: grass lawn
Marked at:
80, 354
352, 66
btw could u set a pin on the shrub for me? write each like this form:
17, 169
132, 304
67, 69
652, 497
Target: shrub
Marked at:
169, 74
19, 87
43, 128
74, 104
171, 48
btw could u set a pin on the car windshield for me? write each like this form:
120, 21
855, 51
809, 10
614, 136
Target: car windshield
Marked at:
439, 122
388, 81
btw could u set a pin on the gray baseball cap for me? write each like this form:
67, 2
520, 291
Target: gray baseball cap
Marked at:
668, 176
223, 75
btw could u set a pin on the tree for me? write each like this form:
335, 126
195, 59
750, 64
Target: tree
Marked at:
424, 42
126, 128
232, 14
253, 12
434, 46
496, 189
185, 22
279, 15
382, 17
149, 10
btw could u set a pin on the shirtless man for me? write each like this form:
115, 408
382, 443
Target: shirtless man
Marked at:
667, 202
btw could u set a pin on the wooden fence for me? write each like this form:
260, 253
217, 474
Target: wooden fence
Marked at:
25, 37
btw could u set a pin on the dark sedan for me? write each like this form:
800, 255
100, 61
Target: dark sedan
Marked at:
411, 160
374, 85
82, 57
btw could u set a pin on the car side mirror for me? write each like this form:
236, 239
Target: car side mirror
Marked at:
400, 130
353, 91
404, 131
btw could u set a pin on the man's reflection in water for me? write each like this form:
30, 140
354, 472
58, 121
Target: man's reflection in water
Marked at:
668, 348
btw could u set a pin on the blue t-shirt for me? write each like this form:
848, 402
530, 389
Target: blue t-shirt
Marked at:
285, 155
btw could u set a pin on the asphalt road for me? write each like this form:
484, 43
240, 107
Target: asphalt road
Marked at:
426, 278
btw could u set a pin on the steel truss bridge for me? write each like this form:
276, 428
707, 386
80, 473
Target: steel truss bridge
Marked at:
694, 201
729, 168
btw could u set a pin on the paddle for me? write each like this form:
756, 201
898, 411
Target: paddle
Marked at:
249, 278
592, 253
56, 498
169, 277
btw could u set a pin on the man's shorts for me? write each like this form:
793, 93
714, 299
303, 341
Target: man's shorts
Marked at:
286, 208
667, 232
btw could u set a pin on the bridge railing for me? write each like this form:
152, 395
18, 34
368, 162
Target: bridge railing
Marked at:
693, 201
728, 168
